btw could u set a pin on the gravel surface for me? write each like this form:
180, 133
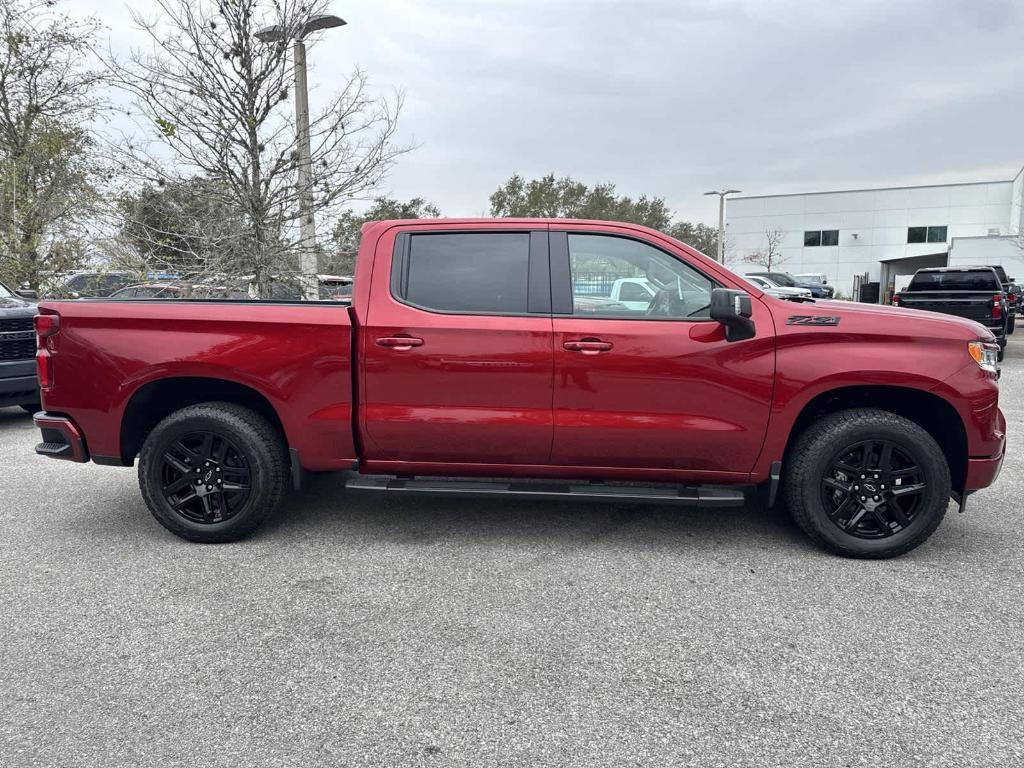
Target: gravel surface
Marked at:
404, 632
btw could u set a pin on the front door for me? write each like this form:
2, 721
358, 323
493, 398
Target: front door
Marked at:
653, 384
457, 357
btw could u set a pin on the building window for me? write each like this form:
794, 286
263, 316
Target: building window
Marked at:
821, 237
926, 235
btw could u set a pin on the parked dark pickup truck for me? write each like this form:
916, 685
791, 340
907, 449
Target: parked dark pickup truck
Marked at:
1012, 291
465, 365
18, 383
974, 293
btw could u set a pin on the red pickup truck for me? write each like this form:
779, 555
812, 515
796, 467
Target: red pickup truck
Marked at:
485, 357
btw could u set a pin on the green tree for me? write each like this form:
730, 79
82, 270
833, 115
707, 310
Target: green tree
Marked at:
696, 235
342, 258
191, 227
47, 95
549, 197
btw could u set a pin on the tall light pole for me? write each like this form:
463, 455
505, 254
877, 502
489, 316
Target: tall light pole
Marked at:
304, 176
721, 219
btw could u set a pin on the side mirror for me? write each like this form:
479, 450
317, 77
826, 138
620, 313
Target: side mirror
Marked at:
733, 310
26, 294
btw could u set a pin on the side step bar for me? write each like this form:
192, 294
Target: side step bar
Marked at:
693, 496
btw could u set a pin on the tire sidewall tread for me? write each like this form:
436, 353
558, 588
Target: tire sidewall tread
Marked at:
812, 453
253, 434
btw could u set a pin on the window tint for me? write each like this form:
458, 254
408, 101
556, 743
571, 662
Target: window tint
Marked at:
926, 234
473, 272
818, 237
968, 280
597, 261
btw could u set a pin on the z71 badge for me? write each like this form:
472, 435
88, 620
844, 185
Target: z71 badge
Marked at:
812, 320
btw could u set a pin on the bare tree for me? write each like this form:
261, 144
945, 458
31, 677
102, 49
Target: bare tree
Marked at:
214, 102
770, 254
49, 97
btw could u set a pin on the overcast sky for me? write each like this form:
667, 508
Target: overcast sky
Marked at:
674, 98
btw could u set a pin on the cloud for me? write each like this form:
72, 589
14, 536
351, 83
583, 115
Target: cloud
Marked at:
672, 98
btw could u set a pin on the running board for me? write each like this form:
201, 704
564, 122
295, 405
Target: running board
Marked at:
687, 495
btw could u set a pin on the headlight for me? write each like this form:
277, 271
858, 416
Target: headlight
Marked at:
985, 354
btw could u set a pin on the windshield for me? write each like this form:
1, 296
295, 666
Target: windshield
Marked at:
815, 279
5, 293
968, 280
781, 278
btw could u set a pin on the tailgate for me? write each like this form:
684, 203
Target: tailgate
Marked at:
970, 305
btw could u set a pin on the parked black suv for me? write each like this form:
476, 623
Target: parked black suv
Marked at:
18, 382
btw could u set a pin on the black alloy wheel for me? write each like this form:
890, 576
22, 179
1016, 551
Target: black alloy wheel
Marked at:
873, 489
205, 478
213, 472
864, 482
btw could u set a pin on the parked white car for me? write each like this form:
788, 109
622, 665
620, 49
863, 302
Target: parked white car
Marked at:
776, 290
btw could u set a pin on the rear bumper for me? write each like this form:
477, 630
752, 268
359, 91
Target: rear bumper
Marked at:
62, 439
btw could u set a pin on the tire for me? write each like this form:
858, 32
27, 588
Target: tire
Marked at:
828, 457
232, 448
1001, 354
32, 408
1011, 324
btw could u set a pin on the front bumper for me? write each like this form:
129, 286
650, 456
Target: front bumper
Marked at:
62, 439
981, 473
18, 383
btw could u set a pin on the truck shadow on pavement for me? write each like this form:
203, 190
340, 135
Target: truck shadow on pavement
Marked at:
324, 508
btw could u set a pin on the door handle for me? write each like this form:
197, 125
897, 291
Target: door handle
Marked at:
400, 343
588, 346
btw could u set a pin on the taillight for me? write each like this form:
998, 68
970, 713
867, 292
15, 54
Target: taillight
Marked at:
47, 327
896, 300
997, 307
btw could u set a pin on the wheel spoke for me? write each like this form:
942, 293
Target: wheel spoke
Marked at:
885, 460
185, 500
853, 521
896, 510
907, 490
208, 510
206, 449
881, 520
176, 463
234, 487
182, 482
831, 482
838, 513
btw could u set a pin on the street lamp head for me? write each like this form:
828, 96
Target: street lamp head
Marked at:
278, 32
723, 192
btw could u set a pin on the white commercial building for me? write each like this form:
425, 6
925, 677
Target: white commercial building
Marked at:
885, 233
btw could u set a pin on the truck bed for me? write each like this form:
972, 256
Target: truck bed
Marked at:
295, 357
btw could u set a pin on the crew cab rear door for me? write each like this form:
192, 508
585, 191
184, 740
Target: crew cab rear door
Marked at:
657, 387
457, 360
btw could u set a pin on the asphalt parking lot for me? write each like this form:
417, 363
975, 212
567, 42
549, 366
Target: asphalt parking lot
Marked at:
354, 631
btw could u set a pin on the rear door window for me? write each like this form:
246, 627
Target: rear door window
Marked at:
467, 273
972, 280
